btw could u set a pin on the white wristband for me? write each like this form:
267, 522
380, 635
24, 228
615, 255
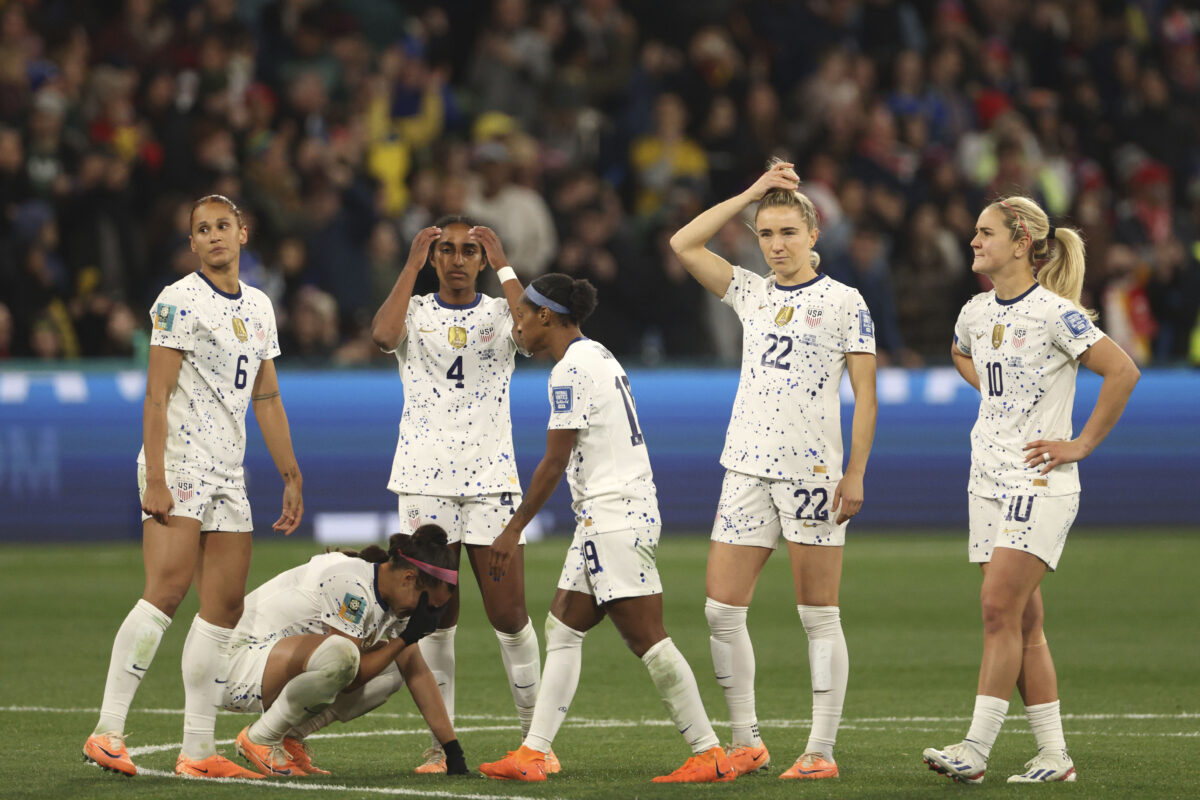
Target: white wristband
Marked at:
506, 274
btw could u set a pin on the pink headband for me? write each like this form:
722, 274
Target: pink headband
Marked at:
450, 576
1017, 217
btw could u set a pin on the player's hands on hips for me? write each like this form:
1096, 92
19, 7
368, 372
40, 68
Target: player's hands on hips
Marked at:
781, 176
293, 509
418, 253
848, 497
501, 551
1048, 454
487, 239
157, 501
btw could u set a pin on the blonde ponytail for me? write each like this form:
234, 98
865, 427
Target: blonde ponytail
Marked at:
1063, 264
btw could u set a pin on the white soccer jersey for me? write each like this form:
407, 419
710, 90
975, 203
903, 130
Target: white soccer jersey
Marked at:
612, 487
456, 433
224, 338
332, 591
1026, 353
786, 422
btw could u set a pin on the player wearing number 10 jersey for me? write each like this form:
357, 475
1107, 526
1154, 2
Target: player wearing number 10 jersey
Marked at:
595, 437
802, 331
1021, 345
454, 464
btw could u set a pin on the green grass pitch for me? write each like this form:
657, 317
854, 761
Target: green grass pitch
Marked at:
1123, 618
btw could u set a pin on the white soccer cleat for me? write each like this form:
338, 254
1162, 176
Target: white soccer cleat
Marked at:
959, 762
1049, 767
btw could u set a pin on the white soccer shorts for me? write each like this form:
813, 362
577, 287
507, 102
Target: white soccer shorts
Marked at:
613, 565
477, 519
754, 511
1032, 524
224, 509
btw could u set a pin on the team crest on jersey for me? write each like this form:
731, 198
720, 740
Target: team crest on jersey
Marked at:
1077, 323
997, 335
812, 317
784, 316
414, 517
458, 337
184, 490
260, 330
352, 608
1018, 339
487, 333
239, 328
561, 399
164, 317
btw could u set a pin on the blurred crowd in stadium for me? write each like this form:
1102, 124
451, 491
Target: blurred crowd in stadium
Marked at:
586, 132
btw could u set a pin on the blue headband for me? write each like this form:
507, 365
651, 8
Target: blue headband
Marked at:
540, 299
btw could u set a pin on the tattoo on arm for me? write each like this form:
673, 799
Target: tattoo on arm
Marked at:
267, 396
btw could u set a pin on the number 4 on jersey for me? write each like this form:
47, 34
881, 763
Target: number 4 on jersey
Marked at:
455, 373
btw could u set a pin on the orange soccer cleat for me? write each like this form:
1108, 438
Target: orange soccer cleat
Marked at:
269, 759
107, 750
522, 764
215, 766
711, 766
811, 766
301, 754
748, 759
553, 766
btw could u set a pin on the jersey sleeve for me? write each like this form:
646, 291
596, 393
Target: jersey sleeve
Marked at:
858, 329
740, 287
344, 599
270, 348
570, 398
962, 336
174, 320
1072, 332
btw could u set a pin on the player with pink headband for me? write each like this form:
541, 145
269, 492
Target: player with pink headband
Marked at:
329, 640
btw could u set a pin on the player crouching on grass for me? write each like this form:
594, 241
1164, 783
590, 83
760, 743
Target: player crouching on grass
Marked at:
330, 639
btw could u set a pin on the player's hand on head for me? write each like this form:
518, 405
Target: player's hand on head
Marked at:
490, 242
418, 253
780, 176
293, 510
422, 620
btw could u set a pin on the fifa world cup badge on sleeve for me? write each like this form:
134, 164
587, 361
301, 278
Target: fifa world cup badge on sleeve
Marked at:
164, 317
562, 399
866, 325
352, 609
1077, 323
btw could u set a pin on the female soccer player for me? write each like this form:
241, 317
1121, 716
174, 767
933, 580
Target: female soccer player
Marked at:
454, 461
783, 452
210, 358
594, 436
330, 640
1025, 340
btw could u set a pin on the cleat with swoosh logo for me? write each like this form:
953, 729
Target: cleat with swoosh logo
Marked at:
811, 766
711, 766
269, 759
748, 759
522, 764
107, 750
215, 766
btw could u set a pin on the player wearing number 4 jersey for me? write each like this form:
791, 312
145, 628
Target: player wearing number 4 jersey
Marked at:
1021, 345
454, 463
595, 438
802, 331
211, 354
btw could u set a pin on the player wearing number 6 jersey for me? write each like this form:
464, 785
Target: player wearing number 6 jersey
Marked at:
1021, 345
783, 453
211, 358
595, 438
454, 463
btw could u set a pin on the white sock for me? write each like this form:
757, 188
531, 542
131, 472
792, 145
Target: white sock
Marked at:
829, 667
133, 649
986, 722
1046, 721
352, 705
677, 687
205, 666
733, 663
438, 651
564, 661
330, 668
522, 663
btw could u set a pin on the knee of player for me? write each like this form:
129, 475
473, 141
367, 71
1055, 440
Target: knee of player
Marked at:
339, 660
560, 636
998, 613
724, 619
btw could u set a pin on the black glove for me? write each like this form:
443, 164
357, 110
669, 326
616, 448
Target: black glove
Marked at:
422, 621
456, 762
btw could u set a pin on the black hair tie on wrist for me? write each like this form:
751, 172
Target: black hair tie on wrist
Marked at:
1050, 235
